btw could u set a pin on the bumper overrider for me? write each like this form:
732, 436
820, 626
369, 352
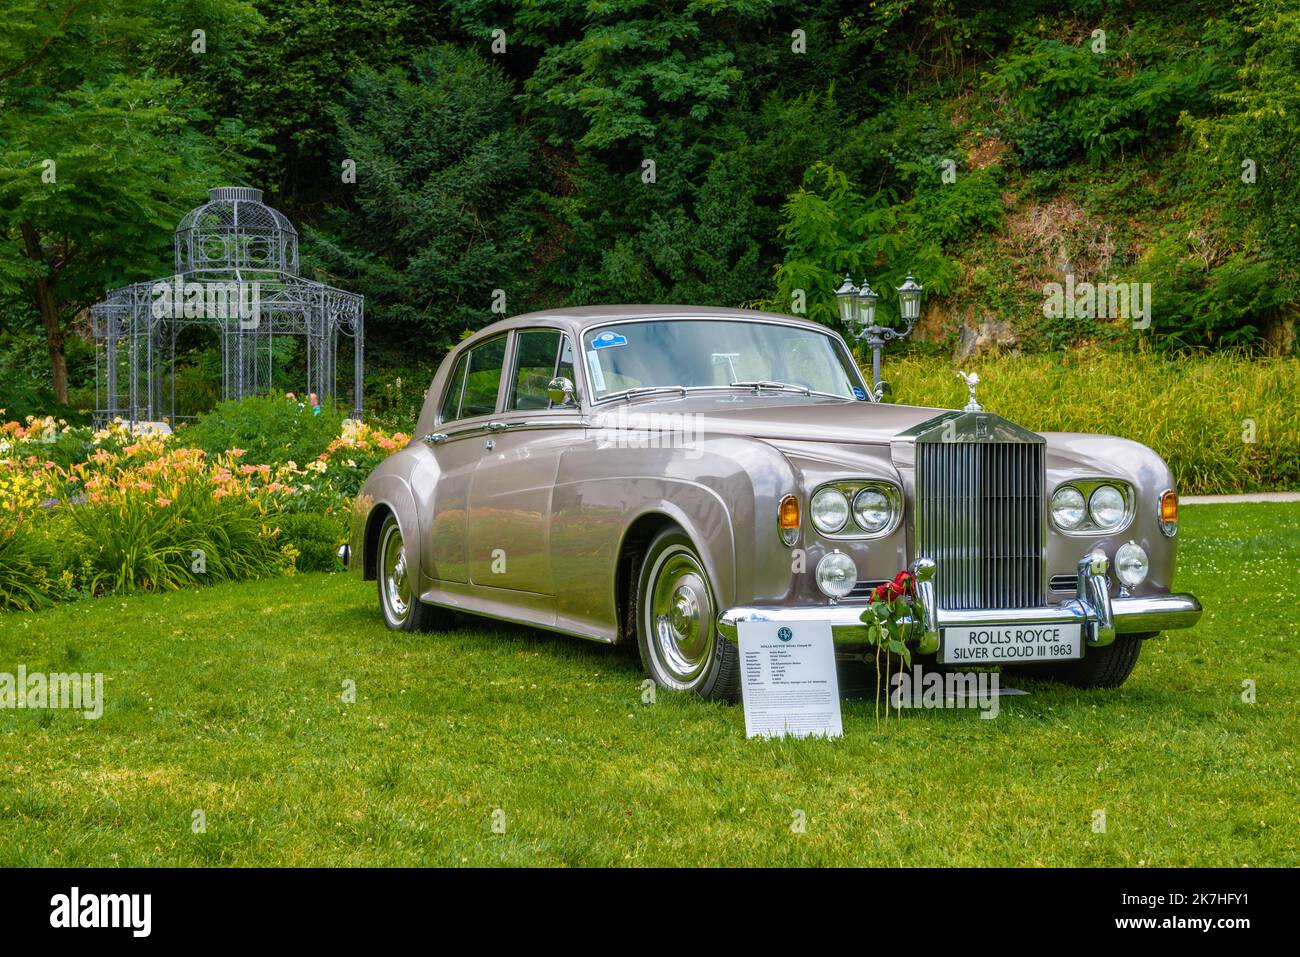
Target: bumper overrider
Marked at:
1101, 616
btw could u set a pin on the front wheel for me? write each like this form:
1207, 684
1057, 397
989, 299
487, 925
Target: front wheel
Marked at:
676, 622
398, 600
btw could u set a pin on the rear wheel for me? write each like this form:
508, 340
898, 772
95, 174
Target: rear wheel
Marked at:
401, 606
1106, 667
676, 622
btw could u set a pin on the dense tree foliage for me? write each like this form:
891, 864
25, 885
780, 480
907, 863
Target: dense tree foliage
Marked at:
711, 151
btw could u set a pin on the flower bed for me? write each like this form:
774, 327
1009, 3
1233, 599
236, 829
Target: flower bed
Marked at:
87, 512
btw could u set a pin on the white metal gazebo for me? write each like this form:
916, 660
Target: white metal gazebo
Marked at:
237, 275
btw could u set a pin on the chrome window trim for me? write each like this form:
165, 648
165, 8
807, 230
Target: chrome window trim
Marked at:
851, 531
512, 381
1086, 487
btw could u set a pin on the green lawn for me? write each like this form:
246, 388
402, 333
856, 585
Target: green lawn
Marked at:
227, 700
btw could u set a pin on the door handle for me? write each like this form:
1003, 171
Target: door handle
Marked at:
497, 426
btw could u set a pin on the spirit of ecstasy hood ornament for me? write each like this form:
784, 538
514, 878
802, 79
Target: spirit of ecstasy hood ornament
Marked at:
971, 379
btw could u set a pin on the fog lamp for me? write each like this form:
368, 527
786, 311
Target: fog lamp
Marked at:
1131, 564
836, 574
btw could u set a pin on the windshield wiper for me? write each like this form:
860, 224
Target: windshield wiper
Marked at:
758, 384
644, 390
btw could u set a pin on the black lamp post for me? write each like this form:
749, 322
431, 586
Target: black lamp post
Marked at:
858, 307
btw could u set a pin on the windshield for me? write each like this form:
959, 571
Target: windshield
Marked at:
710, 353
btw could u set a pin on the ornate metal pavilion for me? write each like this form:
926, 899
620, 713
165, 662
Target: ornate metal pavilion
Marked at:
236, 275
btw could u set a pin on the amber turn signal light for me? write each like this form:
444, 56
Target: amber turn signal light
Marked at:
1169, 513
788, 519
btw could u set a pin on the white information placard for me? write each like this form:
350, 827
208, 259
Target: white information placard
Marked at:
787, 679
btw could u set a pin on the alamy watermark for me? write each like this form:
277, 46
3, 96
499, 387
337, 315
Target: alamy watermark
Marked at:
623, 429
37, 691
133, 912
1101, 300
919, 688
182, 299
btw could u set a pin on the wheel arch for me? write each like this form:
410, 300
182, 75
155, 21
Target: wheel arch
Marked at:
637, 536
391, 496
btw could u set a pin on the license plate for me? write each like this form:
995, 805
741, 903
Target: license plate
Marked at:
1011, 644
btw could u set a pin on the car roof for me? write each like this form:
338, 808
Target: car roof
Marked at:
580, 318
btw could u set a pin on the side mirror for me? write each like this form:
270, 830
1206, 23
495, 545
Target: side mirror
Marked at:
884, 392
560, 391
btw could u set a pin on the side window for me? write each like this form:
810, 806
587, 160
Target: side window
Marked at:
542, 354
483, 378
455, 387
473, 386
537, 357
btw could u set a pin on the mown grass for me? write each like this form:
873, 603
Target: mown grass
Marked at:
227, 700
1224, 423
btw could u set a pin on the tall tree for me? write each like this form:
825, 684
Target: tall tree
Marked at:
103, 144
439, 220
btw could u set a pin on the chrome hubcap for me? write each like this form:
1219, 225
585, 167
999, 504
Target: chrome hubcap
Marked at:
397, 587
680, 616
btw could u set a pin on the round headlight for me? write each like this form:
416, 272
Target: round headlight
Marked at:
1131, 564
1106, 506
871, 509
836, 574
1067, 507
829, 510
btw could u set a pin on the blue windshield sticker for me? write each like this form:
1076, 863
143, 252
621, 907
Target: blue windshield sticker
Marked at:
607, 340
862, 396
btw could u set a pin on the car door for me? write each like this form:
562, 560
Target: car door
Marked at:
509, 526
468, 405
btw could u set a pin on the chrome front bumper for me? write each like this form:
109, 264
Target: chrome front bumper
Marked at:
1101, 616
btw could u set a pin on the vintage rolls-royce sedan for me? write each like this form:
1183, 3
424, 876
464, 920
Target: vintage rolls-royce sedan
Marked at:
664, 474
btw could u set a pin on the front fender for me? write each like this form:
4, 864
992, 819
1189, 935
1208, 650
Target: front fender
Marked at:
1072, 456
718, 491
388, 489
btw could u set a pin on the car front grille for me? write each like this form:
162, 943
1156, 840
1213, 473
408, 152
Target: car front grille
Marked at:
980, 518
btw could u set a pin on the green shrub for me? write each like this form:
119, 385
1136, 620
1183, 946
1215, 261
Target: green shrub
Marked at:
135, 545
270, 430
315, 537
29, 568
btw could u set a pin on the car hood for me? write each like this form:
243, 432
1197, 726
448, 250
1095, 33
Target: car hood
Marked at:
846, 422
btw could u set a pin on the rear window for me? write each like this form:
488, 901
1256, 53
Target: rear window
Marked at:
475, 382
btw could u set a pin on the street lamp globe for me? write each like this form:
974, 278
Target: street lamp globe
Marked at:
846, 296
866, 305
909, 299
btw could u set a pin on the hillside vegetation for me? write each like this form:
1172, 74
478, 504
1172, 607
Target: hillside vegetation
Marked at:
456, 160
